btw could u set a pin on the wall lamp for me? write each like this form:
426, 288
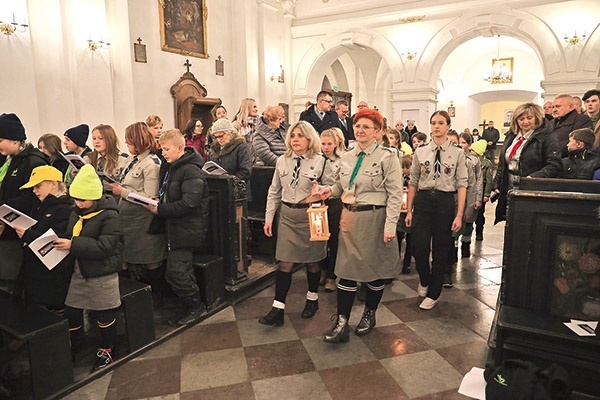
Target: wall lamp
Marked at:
94, 45
8, 28
574, 39
281, 77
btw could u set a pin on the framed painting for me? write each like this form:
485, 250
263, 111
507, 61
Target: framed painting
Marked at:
183, 27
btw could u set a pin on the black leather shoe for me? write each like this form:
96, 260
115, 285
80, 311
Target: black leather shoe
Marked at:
273, 318
339, 333
310, 308
406, 269
366, 324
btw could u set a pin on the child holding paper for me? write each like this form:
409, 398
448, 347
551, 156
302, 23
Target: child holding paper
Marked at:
96, 246
43, 286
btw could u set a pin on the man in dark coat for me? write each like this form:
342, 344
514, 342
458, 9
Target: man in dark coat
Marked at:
183, 204
320, 115
566, 120
491, 136
342, 110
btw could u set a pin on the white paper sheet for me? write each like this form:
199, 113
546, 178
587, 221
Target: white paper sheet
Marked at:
43, 248
582, 328
473, 384
212, 168
139, 199
14, 218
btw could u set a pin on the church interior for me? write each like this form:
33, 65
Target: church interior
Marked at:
115, 62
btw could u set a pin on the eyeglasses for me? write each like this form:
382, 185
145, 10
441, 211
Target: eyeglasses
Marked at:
363, 127
327, 101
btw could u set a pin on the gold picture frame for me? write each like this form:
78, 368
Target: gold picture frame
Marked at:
508, 63
183, 27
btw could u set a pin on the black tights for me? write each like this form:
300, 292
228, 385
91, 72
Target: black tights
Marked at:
283, 279
106, 322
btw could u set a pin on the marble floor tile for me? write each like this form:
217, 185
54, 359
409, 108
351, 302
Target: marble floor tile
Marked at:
212, 369
465, 356
492, 274
201, 338
398, 290
253, 334
139, 379
278, 359
226, 315
408, 309
394, 340
487, 294
448, 395
443, 332
170, 348
253, 308
452, 299
174, 396
423, 373
331, 355
95, 390
240, 391
479, 322
383, 316
296, 387
317, 325
365, 381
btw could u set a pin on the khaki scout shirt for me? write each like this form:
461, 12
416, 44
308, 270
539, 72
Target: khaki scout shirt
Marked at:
378, 181
453, 168
142, 178
281, 189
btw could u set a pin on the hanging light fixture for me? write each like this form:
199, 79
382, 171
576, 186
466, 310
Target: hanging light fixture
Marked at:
500, 72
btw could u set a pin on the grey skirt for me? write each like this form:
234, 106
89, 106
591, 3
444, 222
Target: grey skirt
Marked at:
362, 254
293, 238
140, 246
94, 294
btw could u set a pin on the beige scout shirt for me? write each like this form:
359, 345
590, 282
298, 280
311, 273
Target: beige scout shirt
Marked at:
378, 181
281, 189
453, 168
142, 178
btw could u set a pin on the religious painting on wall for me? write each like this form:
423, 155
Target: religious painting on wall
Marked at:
183, 27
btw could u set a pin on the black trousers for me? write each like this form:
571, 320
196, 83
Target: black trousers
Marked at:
334, 213
480, 221
433, 213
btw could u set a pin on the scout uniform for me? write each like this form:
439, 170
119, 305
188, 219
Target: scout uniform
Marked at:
372, 201
290, 188
437, 172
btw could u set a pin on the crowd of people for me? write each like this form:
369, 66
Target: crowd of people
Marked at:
382, 185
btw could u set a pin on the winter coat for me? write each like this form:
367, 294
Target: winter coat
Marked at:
198, 142
185, 203
563, 126
235, 157
99, 247
580, 164
267, 144
18, 174
540, 158
42, 286
330, 120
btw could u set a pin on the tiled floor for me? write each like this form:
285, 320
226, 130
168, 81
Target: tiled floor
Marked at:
411, 354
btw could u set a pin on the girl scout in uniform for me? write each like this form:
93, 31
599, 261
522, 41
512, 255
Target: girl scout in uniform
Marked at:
438, 172
296, 173
370, 186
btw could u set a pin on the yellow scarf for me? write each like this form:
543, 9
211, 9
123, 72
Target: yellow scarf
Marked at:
79, 224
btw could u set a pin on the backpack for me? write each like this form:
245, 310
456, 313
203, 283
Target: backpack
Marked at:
523, 380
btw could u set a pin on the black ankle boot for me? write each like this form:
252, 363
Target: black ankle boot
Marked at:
339, 333
406, 268
273, 318
367, 322
105, 357
310, 308
465, 249
195, 309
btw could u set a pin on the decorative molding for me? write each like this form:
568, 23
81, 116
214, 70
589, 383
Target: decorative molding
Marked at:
412, 18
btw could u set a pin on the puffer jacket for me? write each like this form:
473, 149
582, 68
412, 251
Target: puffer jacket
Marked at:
18, 173
580, 164
185, 205
99, 247
540, 158
267, 144
42, 286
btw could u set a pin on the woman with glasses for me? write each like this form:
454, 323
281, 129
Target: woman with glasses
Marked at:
370, 186
195, 136
230, 150
296, 176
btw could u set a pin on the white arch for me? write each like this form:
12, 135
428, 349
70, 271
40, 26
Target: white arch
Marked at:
322, 53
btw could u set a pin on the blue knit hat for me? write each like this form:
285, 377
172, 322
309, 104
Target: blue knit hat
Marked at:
11, 128
78, 134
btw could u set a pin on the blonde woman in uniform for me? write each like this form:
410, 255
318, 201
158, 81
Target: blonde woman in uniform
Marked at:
297, 172
370, 186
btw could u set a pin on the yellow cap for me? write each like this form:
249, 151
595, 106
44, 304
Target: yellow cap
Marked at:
41, 174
